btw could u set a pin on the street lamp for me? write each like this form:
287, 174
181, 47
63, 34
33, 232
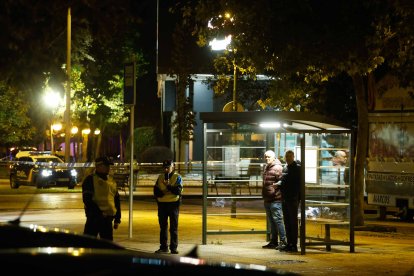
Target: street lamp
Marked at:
56, 127
220, 45
85, 135
52, 99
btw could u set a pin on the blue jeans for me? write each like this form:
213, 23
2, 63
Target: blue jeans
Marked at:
274, 217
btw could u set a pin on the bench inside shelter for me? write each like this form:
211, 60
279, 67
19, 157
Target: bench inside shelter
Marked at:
218, 179
326, 240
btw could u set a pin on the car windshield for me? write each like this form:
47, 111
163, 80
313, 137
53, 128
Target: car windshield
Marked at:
47, 159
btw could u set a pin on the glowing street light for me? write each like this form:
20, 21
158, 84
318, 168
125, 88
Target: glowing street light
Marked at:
74, 130
220, 45
56, 127
52, 99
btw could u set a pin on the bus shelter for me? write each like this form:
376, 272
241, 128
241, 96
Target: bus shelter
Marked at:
234, 144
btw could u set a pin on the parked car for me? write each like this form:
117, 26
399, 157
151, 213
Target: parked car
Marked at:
41, 169
40, 251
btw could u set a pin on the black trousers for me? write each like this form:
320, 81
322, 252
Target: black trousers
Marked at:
168, 211
99, 225
290, 219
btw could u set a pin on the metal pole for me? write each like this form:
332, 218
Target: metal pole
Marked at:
68, 84
233, 185
234, 85
302, 195
51, 139
131, 169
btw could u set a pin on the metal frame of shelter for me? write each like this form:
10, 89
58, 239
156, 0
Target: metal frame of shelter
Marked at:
292, 122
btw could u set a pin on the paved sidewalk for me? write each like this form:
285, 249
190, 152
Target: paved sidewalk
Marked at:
386, 248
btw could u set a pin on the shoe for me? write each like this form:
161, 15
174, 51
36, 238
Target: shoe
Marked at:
293, 249
174, 251
162, 251
289, 248
284, 248
270, 245
281, 245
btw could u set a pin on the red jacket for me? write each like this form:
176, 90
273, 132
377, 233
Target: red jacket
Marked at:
272, 174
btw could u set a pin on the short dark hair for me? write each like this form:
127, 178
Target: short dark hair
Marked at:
103, 160
167, 163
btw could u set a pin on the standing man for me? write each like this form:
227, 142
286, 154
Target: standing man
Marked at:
290, 186
101, 201
167, 191
273, 200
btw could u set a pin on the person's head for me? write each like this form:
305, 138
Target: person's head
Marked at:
289, 157
340, 158
103, 164
168, 165
269, 156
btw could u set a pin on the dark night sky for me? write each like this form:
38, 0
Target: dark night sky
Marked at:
148, 105
147, 109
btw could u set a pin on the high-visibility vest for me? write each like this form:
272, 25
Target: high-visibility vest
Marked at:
162, 185
105, 191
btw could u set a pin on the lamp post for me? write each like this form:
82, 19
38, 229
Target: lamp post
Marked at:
74, 130
52, 99
53, 127
85, 137
220, 45
95, 144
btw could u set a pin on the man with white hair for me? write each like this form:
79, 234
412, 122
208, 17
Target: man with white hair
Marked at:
273, 200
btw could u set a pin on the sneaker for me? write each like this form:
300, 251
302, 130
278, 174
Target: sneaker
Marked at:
281, 245
174, 251
162, 250
289, 248
270, 245
284, 248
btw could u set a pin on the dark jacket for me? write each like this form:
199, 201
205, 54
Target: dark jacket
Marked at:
290, 182
92, 208
271, 175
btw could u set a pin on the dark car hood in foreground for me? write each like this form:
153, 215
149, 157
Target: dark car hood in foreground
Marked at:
35, 249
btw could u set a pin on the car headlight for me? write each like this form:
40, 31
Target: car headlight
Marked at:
46, 172
73, 173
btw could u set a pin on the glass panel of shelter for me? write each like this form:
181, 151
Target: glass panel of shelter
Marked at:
234, 178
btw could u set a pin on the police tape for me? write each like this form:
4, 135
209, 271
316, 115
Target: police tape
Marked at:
86, 164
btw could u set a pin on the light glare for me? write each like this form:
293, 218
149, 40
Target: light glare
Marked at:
270, 125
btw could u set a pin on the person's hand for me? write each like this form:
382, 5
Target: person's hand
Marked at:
116, 224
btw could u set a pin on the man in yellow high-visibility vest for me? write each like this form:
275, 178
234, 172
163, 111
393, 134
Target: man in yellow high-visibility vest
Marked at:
167, 191
101, 200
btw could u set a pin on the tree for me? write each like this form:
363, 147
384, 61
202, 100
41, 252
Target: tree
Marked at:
144, 139
15, 125
35, 47
316, 40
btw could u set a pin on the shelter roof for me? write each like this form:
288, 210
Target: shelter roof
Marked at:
290, 121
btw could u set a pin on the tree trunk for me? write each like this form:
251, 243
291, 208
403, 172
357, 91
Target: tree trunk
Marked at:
121, 148
361, 148
98, 141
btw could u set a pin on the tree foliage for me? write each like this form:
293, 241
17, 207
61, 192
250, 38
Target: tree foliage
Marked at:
15, 126
104, 37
